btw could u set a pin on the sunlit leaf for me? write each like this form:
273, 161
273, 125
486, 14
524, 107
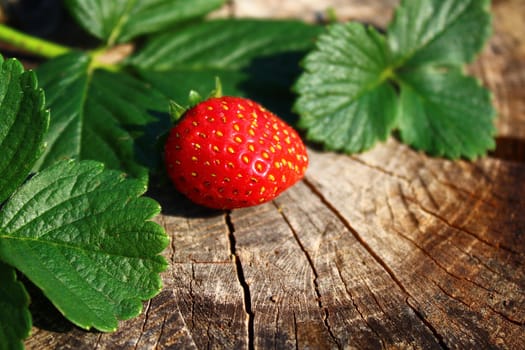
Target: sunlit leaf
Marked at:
23, 123
345, 100
439, 31
83, 235
446, 113
122, 20
105, 116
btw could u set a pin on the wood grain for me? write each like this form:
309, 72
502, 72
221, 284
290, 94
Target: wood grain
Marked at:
386, 249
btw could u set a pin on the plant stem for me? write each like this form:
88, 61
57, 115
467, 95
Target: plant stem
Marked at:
30, 43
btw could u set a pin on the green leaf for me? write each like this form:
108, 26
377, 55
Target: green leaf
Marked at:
100, 115
82, 234
357, 86
253, 58
223, 43
23, 123
445, 113
438, 31
123, 20
345, 100
15, 319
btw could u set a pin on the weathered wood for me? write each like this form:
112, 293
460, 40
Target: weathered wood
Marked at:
443, 233
387, 249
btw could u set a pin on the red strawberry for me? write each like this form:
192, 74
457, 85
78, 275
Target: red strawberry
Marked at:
230, 152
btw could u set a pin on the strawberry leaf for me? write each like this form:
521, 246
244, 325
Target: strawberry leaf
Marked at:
100, 115
445, 113
358, 85
82, 234
253, 58
439, 31
23, 123
345, 100
15, 319
121, 21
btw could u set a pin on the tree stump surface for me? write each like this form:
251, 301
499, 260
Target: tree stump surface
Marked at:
386, 249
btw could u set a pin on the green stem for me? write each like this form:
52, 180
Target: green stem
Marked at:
30, 43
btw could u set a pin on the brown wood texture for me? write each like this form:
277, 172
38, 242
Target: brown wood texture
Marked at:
387, 249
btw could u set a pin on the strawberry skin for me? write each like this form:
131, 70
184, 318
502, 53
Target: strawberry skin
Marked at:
230, 152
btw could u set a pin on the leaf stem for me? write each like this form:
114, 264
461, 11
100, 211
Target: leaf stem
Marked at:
388, 74
110, 58
115, 33
31, 44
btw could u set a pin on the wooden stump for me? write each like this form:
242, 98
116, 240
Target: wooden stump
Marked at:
387, 249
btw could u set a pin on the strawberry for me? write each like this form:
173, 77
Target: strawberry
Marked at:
230, 152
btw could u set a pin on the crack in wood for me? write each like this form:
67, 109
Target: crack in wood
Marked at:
277, 316
405, 200
435, 333
506, 317
410, 184
97, 342
186, 328
315, 279
374, 255
242, 280
163, 325
365, 283
487, 186
381, 170
426, 188
192, 297
459, 228
444, 269
460, 278
295, 331
202, 262
349, 293
453, 297
468, 335
452, 186
208, 336
413, 199
354, 233
172, 250
439, 265
455, 188
413, 217
480, 262
143, 327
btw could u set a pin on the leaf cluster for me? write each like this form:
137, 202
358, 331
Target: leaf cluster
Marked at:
80, 233
360, 85
80, 230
